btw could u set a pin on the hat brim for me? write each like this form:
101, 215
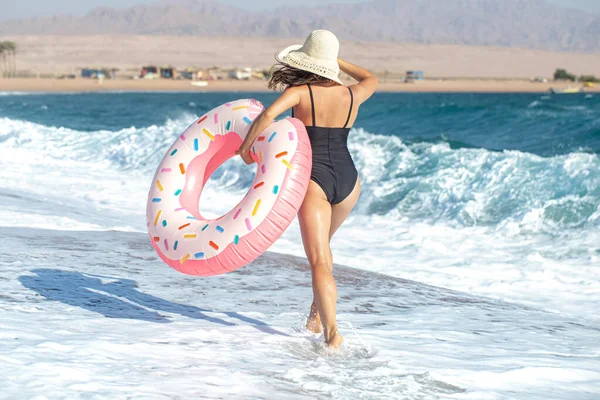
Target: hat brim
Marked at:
283, 58
279, 56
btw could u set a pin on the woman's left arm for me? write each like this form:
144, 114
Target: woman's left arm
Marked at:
288, 99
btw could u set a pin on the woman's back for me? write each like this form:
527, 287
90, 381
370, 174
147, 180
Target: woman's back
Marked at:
333, 169
333, 106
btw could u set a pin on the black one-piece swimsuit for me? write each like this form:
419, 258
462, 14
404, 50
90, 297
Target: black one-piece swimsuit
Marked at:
333, 169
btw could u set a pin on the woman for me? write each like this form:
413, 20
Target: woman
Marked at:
316, 95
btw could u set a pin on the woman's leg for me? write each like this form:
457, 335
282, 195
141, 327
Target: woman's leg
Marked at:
315, 222
313, 322
339, 212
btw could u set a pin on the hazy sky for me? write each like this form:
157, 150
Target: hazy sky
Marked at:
20, 9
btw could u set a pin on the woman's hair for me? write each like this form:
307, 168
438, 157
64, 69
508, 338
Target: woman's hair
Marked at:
284, 76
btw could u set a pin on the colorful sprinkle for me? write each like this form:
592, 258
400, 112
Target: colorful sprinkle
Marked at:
254, 151
258, 185
182, 136
248, 224
199, 255
256, 207
204, 227
185, 258
156, 238
207, 133
287, 164
196, 144
220, 229
236, 239
283, 153
182, 168
260, 156
228, 125
157, 217
173, 152
164, 223
272, 136
238, 108
291, 135
213, 245
180, 209
156, 200
166, 245
165, 170
227, 104
178, 192
159, 185
216, 118
263, 168
175, 245
260, 138
190, 236
202, 119
183, 226
275, 189
237, 214
189, 217
247, 120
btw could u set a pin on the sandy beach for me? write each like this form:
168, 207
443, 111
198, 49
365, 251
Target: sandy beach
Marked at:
163, 85
447, 68
67, 54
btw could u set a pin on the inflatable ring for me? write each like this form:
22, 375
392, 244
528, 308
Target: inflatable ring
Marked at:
195, 245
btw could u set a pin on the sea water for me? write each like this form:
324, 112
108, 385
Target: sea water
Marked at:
470, 267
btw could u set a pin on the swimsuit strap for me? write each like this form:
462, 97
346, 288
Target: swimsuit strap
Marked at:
312, 105
351, 105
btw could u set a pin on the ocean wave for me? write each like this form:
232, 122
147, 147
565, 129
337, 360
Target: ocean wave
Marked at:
13, 93
427, 180
555, 109
433, 181
130, 148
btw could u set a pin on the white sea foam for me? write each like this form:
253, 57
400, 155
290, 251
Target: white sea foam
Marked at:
96, 314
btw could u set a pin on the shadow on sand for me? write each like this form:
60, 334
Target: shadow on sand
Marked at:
119, 298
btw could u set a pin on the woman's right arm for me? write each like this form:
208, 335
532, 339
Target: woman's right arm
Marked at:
367, 82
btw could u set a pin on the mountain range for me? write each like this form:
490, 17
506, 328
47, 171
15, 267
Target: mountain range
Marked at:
511, 23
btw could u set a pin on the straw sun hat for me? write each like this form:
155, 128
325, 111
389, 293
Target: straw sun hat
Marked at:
318, 55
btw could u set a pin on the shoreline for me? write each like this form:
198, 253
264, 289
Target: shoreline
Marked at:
36, 85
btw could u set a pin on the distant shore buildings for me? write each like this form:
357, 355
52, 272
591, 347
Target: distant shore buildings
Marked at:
203, 75
240, 73
98, 73
154, 72
170, 72
414, 76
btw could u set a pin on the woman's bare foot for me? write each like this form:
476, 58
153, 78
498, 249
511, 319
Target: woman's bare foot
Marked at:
335, 341
313, 323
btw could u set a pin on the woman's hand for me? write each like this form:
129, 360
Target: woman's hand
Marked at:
287, 100
245, 154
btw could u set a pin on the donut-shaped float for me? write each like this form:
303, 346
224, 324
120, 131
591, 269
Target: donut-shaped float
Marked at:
195, 245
